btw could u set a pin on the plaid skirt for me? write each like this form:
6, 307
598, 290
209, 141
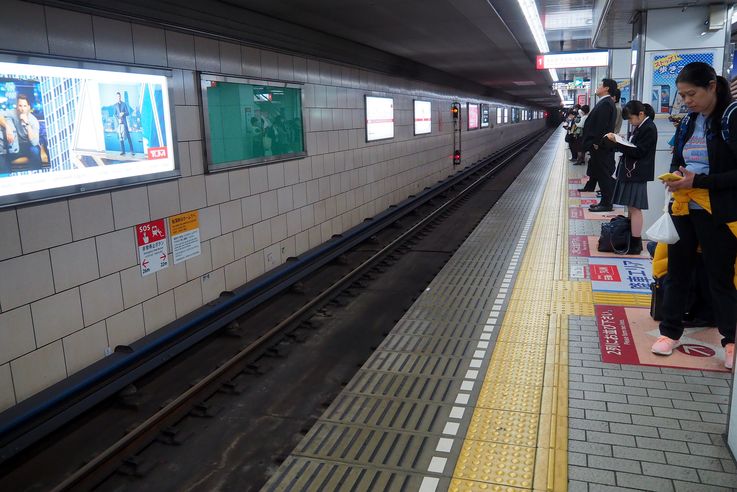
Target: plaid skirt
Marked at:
631, 194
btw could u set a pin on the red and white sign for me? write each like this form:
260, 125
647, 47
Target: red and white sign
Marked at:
581, 99
473, 116
158, 153
575, 213
695, 350
630, 276
605, 273
151, 240
617, 345
578, 246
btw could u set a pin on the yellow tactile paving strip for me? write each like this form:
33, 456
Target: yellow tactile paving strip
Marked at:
518, 435
621, 299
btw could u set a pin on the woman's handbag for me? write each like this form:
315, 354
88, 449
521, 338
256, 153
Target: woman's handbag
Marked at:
615, 236
663, 230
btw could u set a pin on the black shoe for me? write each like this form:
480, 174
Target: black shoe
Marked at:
122, 153
585, 190
600, 208
598, 193
635, 248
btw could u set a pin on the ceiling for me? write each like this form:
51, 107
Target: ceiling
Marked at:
483, 46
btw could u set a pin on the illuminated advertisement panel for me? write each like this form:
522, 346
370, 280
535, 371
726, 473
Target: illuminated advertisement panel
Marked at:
485, 116
499, 115
379, 118
473, 116
506, 115
423, 117
65, 131
573, 59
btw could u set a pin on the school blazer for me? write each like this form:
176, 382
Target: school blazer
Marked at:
638, 163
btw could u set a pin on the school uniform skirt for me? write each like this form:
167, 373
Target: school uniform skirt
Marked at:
631, 194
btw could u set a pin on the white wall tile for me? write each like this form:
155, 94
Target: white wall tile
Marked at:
180, 50
85, 347
24, 27
240, 183
222, 250
212, 285
183, 159
74, 264
209, 223
231, 216
91, 215
16, 334
171, 277
130, 207
235, 274
197, 157
207, 54
116, 251
101, 299
259, 179
299, 195
38, 370
44, 226
243, 242
218, 188
285, 201
269, 65
255, 265
7, 393
163, 199
191, 83
35, 270
149, 45
288, 248
302, 242
57, 316
113, 40
272, 257
294, 222
200, 265
230, 58
269, 204
308, 216
276, 175
70, 33
251, 61
251, 209
188, 297
300, 69
126, 327
192, 193
291, 173
136, 288
159, 311
262, 234
285, 66
188, 123
278, 228
10, 237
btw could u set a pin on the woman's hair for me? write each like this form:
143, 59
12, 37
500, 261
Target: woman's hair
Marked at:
701, 74
585, 108
635, 107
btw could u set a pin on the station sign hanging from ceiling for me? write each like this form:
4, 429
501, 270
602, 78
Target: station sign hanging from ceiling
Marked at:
573, 59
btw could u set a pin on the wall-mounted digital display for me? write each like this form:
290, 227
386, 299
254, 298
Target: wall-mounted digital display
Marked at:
485, 116
379, 118
423, 117
473, 115
65, 130
251, 122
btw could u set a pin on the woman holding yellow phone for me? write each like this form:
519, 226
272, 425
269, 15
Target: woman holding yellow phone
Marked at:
705, 208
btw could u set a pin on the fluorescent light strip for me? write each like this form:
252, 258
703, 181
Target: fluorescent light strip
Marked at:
532, 16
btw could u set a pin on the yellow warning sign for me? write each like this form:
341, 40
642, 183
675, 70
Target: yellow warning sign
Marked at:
181, 223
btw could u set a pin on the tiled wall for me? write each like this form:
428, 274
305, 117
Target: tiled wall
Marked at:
70, 285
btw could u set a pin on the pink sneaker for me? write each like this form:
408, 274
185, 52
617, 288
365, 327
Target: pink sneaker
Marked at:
664, 345
729, 355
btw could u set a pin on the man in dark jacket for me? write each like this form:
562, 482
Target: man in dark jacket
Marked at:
601, 121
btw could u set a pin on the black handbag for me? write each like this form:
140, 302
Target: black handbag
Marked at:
656, 300
569, 137
615, 236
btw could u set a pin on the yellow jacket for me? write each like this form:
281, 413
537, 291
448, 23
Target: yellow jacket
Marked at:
680, 207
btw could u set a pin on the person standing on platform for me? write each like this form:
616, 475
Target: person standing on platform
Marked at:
601, 121
636, 167
704, 210
122, 111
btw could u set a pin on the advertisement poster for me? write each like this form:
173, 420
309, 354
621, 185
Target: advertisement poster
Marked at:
423, 117
630, 276
664, 96
473, 116
625, 88
185, 236
485, 116
379, 118
151, 240
66, 127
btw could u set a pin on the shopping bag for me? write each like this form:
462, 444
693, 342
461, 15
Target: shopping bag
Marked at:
663, 230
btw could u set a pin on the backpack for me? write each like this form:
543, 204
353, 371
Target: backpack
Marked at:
615, 236
683, 126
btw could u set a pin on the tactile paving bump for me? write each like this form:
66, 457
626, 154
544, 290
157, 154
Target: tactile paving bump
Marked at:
405, 386
421, 365
621, 299
387, 413
502, 426
470, 486
428, 345
366, 446
519, 351
435, 328
519, 397
502, 464
504, 372
300, 474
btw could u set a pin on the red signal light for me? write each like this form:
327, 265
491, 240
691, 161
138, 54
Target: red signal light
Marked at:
457, 157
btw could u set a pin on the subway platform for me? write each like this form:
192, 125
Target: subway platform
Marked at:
524, 366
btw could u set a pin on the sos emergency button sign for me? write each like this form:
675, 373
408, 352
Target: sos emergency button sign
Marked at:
151, 240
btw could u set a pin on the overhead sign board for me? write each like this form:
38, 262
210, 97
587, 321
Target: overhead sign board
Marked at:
573, 59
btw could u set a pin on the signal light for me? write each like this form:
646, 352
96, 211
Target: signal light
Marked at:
457, 157
455, 110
